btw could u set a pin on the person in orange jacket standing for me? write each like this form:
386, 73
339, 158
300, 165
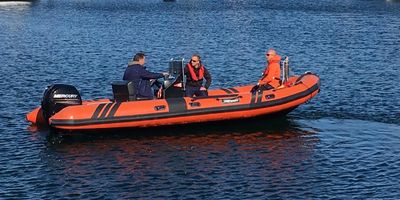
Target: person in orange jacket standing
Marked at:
272, 73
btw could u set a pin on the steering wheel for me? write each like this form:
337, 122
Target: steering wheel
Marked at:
157, 82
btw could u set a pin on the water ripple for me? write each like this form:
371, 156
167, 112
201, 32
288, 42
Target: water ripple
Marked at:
342, 144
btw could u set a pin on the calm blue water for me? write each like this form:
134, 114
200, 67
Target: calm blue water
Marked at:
344, 144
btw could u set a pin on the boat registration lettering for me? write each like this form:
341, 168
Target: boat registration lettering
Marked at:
65, 96
224, 101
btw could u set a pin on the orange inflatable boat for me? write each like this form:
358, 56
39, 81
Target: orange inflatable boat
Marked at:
63, 108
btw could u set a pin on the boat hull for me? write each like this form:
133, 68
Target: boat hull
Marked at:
221, 104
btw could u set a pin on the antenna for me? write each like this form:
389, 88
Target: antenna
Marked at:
285, 70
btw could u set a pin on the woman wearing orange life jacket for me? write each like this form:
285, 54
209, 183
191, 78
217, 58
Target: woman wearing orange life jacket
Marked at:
272, 72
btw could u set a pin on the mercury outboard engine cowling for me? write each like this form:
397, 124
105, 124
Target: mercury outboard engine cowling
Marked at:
58, 96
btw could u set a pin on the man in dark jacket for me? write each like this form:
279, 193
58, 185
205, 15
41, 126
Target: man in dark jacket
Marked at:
136, 72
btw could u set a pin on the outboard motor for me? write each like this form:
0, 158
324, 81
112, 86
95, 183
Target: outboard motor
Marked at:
58, 96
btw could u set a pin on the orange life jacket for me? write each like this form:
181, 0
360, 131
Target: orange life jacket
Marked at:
272, 72
193, 74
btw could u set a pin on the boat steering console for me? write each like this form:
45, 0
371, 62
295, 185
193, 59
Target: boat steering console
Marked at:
164, 87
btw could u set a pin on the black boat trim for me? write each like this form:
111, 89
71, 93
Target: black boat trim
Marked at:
260, 94
105, 111
114, 110
177, 108
253, 97
233, 90
97, 111
226, 90
177, 105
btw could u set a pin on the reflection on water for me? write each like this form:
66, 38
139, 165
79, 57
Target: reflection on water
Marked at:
278, 126
221, 155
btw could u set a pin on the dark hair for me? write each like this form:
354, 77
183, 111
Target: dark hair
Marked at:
138, 56
197, 55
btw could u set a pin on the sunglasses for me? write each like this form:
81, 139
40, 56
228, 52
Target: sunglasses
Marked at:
195, 61
267, 54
